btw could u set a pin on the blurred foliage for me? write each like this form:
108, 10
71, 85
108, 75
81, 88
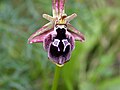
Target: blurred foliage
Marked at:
94, 65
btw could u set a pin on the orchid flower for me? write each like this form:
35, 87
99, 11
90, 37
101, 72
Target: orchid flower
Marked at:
58, 36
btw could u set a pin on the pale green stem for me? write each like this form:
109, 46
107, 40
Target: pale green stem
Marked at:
56, 78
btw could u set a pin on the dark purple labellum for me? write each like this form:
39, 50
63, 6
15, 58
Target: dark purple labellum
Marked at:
59, 45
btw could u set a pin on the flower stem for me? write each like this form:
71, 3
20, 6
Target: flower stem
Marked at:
56, 78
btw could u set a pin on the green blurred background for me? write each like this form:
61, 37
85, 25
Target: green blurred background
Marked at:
94, 64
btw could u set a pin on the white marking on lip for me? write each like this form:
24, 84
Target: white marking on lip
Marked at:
66, 43
56, 42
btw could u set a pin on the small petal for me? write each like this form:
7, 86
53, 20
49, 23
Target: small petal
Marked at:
76, 34
71, 17
39, 38
39, 34
48, 17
